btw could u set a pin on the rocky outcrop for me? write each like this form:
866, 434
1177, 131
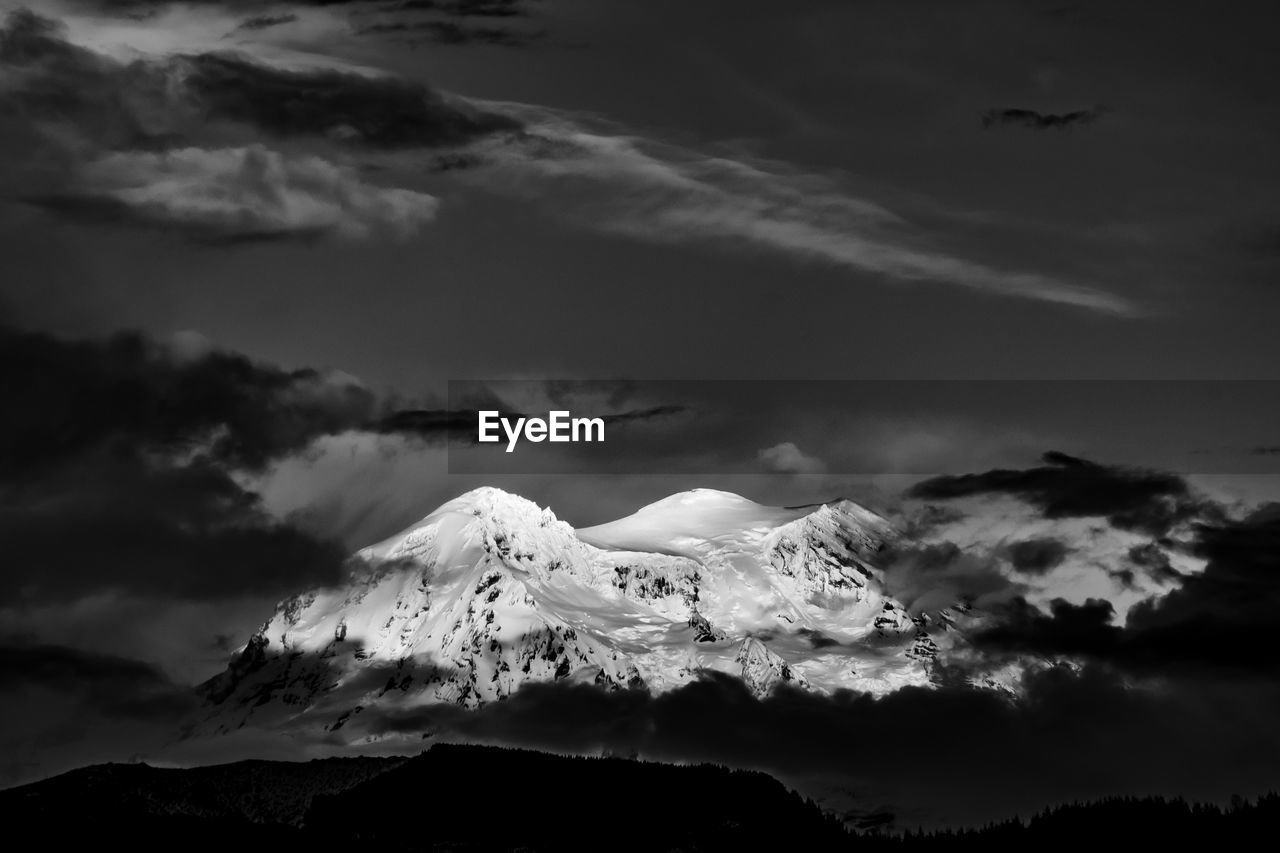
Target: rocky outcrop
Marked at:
763, 671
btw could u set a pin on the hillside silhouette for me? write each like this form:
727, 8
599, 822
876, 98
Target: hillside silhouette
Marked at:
456, 797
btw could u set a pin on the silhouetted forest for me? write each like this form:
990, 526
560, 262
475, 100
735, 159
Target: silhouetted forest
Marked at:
1149, 821
485, 798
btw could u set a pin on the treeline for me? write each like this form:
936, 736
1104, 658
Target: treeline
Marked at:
1140, 820
485, 798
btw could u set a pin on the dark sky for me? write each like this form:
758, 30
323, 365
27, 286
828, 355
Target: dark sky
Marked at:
245, 246
1163, 202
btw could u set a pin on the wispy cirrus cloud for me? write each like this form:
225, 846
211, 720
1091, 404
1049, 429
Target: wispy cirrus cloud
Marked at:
616, 181
244, 193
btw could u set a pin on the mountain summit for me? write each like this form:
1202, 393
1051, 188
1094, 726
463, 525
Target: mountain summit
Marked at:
491, 592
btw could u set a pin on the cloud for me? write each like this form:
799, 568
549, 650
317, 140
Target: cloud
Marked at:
1074, 735
104, 115
1041, 121
934, 576
665, 193
1155, 562
189, 639
430, 424
1038, 555
1219, 621
919, 522
1225, 616
65, 707
126, 455
263, 22
503, 23
786, 458
129, 395
181, 531
377, 112
1064, 486
150, 457
113, 685
1216, 620
245, 193
215, 145
1067, 630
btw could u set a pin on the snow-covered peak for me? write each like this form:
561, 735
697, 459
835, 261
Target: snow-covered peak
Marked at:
677, 524
701, 499
491, 591
486, 514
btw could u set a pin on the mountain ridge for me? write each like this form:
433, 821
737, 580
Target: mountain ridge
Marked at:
577, 803
491, 591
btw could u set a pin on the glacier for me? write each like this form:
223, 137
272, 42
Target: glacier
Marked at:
492, 592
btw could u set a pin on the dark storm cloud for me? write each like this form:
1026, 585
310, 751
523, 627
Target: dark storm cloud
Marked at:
1154, 561
1225, 616
381, 112
126, 526
128, 394
118, 464
1040, 121
108, 684
939, 575
1126, 578
429, 424
1134, 499
263, 22
66, 707
128, 454
1221, 620
208, 144
1084, 630
953, 753
1037, 556
162, 102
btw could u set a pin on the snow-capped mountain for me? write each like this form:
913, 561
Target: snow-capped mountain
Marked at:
491, 592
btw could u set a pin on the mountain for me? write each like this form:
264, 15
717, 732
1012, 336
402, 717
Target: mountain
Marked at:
455, 797
449, 798
491, 592
262, 793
